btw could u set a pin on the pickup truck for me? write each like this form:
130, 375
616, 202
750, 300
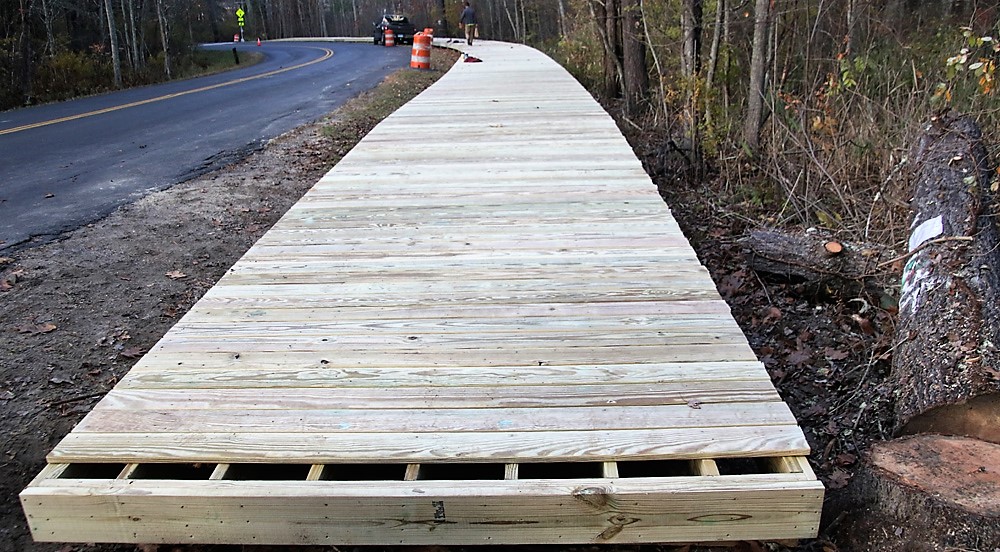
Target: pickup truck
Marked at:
401, 28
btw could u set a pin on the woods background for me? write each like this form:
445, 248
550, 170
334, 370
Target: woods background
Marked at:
813, 102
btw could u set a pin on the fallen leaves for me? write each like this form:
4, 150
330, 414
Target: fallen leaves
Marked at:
35, 329
732, 283
133, 352
176, 275
839, 479
835, 354
799, 357
8, 280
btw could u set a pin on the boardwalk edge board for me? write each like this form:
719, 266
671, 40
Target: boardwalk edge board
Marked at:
483, 326
681, 501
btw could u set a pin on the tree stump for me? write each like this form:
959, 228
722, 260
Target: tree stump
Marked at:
946, 365
926, 492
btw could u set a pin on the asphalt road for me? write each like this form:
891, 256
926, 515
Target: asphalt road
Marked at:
67, 164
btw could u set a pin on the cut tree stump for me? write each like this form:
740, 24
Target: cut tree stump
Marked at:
945, 366
927, 492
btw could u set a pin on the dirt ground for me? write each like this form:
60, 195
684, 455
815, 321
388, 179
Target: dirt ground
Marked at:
76, 313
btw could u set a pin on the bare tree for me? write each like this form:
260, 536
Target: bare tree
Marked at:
758, 66
24, 47
50, 39
691, 22
562, 18
605, 16
636, 82
164, 23
116, 60
713, 55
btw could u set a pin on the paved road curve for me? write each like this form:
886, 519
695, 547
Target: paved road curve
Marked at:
95, 160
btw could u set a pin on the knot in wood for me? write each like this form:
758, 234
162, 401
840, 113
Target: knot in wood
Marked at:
593, 496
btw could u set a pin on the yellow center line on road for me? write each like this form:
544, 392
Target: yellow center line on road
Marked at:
327, 55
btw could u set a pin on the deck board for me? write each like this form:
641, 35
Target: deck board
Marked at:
488, 279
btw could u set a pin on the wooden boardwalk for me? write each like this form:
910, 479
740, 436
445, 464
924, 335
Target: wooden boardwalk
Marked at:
482, 326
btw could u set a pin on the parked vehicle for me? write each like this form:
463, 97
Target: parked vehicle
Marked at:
401, 28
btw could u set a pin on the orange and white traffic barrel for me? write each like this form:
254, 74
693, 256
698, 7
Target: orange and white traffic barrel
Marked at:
420, 57
390, 38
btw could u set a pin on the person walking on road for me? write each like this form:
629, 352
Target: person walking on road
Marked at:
468, 21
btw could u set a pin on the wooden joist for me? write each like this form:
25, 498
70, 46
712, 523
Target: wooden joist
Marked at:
482, 326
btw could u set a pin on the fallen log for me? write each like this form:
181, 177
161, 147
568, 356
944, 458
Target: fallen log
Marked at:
946, 366
826, 265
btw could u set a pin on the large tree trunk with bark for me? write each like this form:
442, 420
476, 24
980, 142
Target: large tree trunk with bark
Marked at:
605, 15
691, 26
634, 56
758, 66
946, 365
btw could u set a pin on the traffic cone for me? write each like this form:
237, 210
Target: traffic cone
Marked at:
258, 41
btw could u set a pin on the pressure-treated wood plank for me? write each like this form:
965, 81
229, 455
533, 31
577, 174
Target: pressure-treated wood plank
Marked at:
300, 375
211, 309
437, 417
427, 512
318, 448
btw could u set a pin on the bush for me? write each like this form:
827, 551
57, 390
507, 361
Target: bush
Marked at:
71, 74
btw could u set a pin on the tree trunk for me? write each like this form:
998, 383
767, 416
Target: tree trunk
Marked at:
851, 14
758, 67
211, 6
614, 72
691, 26
713, 54
634, 55
524, 23
137, 56
26, 62
161, 17
660, 77
127, 35
116, 60
946, 365
511, 18
442, 26
50, 39
322, 18
562, 18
